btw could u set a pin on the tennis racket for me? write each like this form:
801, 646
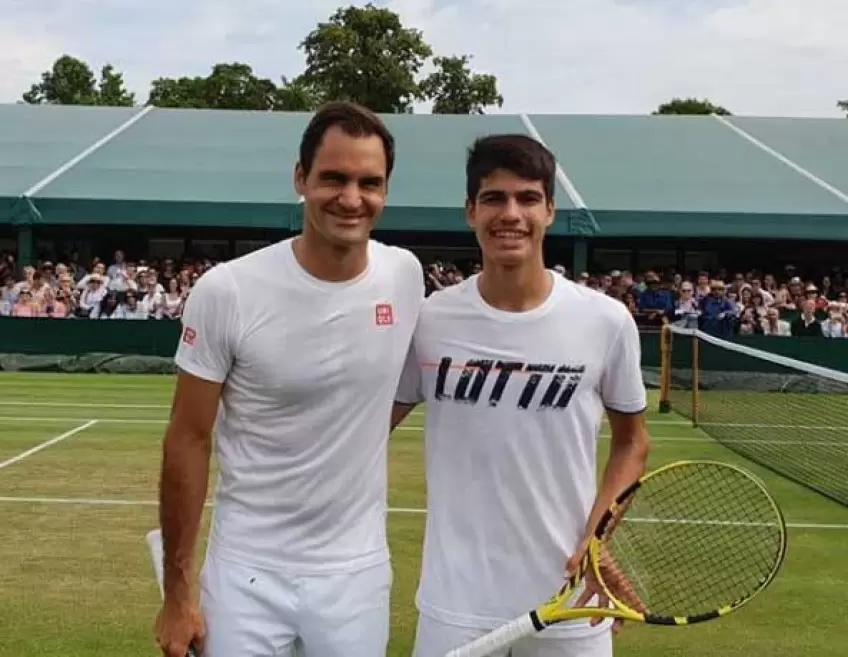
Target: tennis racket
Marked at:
157, 556
687, 543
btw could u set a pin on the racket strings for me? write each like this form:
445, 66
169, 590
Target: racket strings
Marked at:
695, 539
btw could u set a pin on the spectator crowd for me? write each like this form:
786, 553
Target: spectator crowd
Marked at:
120, 290
749, 303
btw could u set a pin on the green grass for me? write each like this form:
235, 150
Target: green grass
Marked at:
75, 579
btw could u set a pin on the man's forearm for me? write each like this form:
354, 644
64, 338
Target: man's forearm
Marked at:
185, 476
627, 461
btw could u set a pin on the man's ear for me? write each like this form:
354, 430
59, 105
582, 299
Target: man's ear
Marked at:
471, 214
299, 179
549, 220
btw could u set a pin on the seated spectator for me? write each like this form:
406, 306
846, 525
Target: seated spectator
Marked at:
717, 312
773, 325
749, 323
98, 272
122, 278
806, 324
655, 303
745, 296
702, 289
686, 309
812, 292
629, 300
107, 308
827, 290
38, 286
757, 288
92, 294
782, 298
758, 303
172, 300
8, 296
131, 308
26, 306
834, 325
53, 305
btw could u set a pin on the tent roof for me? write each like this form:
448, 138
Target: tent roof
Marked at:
633, 175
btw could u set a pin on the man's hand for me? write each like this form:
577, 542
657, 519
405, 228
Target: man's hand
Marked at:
178, 626
592, 586
614, 578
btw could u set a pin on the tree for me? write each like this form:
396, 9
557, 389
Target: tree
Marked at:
296, 96
234, 87
454, 89
111, 91
843, 105
183, 92
365, 54
71, 81
691, 106
229, 86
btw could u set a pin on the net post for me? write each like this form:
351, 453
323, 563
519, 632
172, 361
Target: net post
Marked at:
665, 366
696, 367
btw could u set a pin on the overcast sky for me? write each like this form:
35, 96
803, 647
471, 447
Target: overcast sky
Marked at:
755, 57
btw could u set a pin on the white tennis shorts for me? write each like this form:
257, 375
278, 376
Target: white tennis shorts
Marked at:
251, 612
435, 639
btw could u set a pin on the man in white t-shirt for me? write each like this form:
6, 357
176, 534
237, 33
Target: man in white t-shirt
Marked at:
293, 354
517, 366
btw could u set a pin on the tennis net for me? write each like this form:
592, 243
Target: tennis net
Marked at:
786, 415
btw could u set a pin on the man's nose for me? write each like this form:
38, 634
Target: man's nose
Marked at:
350, 197
511, 210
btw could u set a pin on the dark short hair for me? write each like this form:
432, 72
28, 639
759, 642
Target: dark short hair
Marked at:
354, 120
517, 153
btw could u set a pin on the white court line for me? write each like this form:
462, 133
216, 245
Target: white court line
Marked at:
416, 413
47, 443
654, 439
803, 427
79, 405
65, 420
68, 501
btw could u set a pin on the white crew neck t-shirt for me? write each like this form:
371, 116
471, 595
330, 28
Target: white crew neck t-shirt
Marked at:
514, 405
310, 370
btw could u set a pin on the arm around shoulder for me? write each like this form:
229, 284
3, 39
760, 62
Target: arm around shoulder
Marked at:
409, 392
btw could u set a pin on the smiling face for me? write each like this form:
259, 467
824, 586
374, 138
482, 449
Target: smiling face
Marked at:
344, 191
509, 216
510, 181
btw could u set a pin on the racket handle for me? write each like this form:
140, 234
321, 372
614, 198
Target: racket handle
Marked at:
501, 638
154, 544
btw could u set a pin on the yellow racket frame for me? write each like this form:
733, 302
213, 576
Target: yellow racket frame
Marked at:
554, 610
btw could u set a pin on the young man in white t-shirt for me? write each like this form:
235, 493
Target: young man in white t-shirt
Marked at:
517, 366
292, 354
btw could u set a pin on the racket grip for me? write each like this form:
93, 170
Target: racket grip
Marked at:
498, 639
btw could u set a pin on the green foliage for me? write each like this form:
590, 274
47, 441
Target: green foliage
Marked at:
691, 106
71, 82
454, 89
364, 54
367, 55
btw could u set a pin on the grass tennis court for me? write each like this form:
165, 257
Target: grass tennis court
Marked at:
75, 579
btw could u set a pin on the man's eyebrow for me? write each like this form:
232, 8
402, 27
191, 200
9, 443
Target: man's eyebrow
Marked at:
492, 193
332, 174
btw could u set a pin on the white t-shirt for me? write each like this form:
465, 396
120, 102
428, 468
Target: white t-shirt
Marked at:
311, 369
514, 405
